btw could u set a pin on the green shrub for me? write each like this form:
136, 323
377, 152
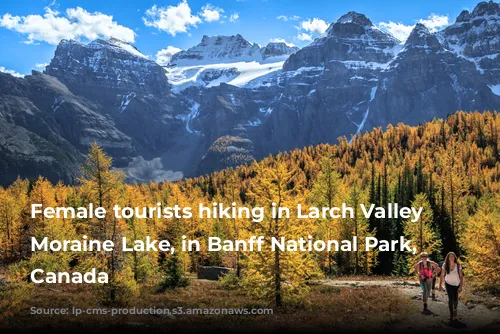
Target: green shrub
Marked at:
174, 277
229, 281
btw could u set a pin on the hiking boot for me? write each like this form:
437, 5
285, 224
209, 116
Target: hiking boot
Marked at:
433, 297
455, 314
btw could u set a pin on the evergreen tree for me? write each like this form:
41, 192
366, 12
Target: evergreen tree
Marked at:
482, 243
174, 274
266, 271
421, 232
324, 194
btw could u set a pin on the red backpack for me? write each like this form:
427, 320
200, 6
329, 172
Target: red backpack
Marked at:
426, 272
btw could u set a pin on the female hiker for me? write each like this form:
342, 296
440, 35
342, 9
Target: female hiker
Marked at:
425, 270
453, 277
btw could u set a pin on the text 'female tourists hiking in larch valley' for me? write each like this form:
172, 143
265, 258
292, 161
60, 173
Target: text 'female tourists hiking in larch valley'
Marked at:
454, 280
425, 270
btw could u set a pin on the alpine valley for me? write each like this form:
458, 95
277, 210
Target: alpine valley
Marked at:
227, 101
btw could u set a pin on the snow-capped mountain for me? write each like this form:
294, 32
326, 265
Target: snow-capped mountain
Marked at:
227, 101
347, 61
225, 59
475, 36
107, 63
431, 77
216, 50
352, 38
278, 49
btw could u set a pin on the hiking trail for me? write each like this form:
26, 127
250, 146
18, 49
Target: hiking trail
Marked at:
471, 317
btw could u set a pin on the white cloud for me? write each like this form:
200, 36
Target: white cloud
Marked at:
281, 40
435, 22
163, 56
398, 30
41, 66
315, 25
77, 23
286, 18
173, 19
304, 37
311, 28
234, 17
211, 13
14, 73
401, 31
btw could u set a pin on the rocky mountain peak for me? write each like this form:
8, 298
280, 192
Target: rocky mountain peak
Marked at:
118, 46
350, 25
277, 49
354, 25
486, 8
474, 35
110, 63
421, 37
221, 40
464, 16
355, 18
419, 31
218, 49
352, 38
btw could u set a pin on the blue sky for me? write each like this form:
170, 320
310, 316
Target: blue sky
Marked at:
30, 29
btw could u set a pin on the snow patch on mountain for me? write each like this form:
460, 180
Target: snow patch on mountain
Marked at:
117, 46
495, 89
359, 64
226, 59
126, 47
365, 117
125, 100
265, 111
254, 122
191, 116
236, 74
57, 103
475, 36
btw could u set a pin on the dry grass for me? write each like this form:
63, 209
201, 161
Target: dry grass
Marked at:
372, 278
326, 307
475, 294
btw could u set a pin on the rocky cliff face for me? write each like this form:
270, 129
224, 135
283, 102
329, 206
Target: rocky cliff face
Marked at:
228, 49
347, 61
30, 140
129, 90
277, 49
353, 38
475, 36
240, 104
425, 81
108, 64
437, 74
218, 49
105, 91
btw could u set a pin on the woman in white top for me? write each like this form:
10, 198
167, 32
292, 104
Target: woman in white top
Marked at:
453, 277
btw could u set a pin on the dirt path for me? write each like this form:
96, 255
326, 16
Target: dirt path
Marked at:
471, 317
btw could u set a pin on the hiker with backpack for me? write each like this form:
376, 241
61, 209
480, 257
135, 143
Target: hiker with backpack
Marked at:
453, 277
425, 270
